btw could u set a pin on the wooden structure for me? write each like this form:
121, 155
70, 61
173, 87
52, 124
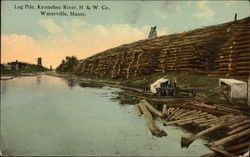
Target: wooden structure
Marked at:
152, 33
39, 61
215, 50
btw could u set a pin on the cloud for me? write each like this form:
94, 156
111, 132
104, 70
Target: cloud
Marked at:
167, 7
229, 3
72, 37
15, 47
133, 14
204, 13
161, 15
51, 26
170, 7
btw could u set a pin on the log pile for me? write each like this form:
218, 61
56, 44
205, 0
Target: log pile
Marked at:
237, 128
215, 50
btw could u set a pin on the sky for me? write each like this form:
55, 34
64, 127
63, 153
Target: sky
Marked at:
27, 35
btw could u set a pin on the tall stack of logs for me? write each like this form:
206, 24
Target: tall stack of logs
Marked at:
221, 49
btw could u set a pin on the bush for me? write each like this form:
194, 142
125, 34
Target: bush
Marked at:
68, 65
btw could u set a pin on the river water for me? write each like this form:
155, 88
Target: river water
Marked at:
44, 115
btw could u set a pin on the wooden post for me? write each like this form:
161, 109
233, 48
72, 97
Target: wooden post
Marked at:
235, 17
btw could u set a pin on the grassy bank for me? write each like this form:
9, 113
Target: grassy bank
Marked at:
186, 81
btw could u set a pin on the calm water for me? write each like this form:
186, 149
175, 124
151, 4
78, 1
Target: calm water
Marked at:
50, 116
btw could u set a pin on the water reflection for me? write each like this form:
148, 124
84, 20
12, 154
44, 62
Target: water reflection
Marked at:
3, 87
38, 79
85, 84
124, 99
71, 83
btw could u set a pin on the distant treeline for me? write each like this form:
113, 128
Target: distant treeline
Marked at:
68, 65
21, 67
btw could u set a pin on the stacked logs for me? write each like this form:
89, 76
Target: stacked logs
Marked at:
222, 49
235, 142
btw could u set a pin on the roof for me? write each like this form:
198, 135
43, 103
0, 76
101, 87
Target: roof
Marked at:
231, 81
157, 84
238, 88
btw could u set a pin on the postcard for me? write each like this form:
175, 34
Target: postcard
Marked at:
125, 78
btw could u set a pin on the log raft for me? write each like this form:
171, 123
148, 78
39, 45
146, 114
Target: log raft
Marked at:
237, 126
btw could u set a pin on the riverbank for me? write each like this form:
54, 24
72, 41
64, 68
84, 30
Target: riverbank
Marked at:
10, 76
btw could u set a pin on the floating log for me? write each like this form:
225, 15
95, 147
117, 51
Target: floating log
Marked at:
196, 117
229, 138
201, 120
207, 120
218, 120
173, 112
239, 124
223, 152
185, 114
169, 110
138, 110
154, 129
209, 155
239, 129
243, 152
185, 142
165, 110
153, 110
205, 105
177, 114
237, 147
180, 121
195, 114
